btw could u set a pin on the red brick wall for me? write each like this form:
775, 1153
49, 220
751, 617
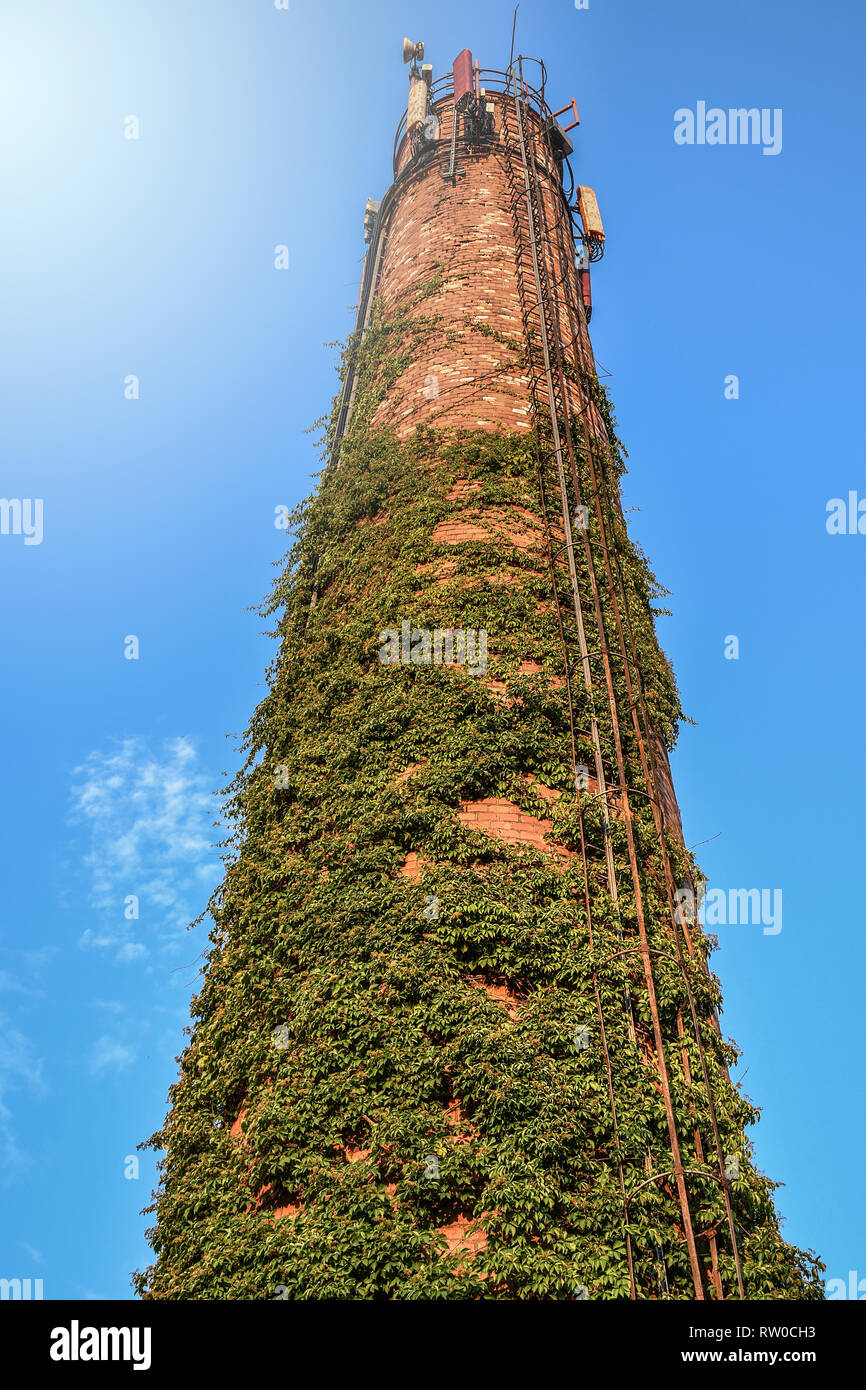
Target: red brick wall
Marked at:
505, 821
461, 378
465, 378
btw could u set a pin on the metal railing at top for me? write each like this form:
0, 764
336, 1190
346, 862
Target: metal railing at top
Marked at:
492, 80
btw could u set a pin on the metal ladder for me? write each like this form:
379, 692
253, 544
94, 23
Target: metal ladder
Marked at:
555, 451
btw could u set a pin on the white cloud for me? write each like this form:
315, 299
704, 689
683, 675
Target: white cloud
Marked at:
150, 819
132, 950
39, 960
29, 965
109, 1054
11, 984
18, 1066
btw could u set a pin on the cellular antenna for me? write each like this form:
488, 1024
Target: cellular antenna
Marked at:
413, 53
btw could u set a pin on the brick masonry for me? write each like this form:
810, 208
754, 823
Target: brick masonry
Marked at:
471, 379
506, 822
467, 378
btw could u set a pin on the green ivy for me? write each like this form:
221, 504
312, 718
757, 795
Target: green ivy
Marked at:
341, 1016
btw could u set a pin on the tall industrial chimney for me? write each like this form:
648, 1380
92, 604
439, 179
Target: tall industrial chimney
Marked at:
457, 1036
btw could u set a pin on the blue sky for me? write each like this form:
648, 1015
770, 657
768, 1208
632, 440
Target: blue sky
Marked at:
155, 258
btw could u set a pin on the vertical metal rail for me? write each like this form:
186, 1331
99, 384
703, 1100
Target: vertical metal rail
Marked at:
366, 299
649, 763
555, 405
449, 174
517, 200
558, 408
644, 741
